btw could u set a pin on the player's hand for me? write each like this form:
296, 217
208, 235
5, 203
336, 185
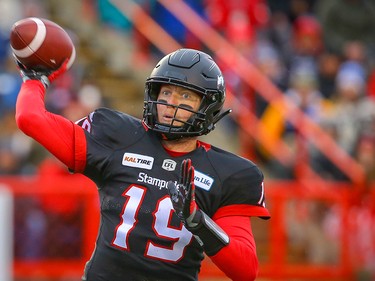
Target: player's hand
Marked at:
208, 234
183, 195
46, 77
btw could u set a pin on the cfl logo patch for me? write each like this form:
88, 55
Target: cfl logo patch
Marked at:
169, 165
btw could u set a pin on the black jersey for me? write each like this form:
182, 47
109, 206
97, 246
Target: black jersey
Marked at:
140, 236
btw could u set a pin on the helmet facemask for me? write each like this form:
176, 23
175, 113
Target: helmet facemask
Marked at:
177, 128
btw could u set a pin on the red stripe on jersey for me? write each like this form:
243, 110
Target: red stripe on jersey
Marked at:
206, 146
242, 210
172, 153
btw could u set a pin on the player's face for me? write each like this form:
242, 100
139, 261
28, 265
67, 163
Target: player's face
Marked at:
176, 96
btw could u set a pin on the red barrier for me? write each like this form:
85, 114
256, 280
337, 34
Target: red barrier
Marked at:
56, 195
291, 204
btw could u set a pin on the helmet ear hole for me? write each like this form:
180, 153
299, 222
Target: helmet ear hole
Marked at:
154, 90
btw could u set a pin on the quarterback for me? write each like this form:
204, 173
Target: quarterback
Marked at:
167, 199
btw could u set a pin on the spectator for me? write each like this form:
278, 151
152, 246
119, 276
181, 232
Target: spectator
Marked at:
347, 20
221, 15
279, 32
353, 109
328, 66
303, 92
355, 51
269, 62
306, 43
350, 118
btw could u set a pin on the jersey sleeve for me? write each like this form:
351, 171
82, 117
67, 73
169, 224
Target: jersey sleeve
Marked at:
243, 194
60, 136
106, 131
239, 186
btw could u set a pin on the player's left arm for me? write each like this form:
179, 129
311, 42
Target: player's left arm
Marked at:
208, 234
238, 260
228, 240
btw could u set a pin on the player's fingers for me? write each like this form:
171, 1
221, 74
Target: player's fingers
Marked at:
190, 177
182, 172
189, 172
172, 190
185, 169
186, 165
63, 67
20, 66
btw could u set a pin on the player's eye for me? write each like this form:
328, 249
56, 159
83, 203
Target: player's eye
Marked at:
189, 96
166, 93
186, 95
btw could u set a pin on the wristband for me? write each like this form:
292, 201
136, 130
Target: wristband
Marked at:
208, 234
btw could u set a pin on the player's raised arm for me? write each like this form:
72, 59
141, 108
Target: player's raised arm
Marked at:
43, 52
52, 131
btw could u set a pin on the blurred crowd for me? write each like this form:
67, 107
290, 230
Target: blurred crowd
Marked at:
319, 53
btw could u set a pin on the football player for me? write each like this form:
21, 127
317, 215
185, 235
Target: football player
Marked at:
166, 197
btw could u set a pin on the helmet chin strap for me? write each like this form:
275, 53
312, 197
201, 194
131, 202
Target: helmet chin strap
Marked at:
217, 119
169, 133
221, 115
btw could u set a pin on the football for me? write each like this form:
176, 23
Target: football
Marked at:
40, 44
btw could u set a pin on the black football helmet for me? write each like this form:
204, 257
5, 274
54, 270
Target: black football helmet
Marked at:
196, 71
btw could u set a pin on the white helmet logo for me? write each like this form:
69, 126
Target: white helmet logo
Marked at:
220, 82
